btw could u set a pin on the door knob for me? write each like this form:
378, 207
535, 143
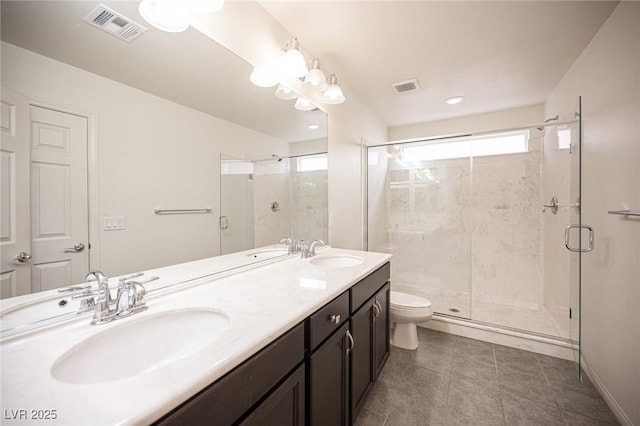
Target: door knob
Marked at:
23, 257
78, 247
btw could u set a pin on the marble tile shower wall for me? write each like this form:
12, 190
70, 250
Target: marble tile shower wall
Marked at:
459, 227
309, 204
270, 184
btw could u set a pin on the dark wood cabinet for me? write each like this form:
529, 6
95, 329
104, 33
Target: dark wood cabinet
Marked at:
284, 406
329, 380
361, 356
370, 329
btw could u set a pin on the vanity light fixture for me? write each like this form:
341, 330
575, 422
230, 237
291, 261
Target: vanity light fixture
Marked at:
315, 80
283, 92
292, 63
303, 104
333, 94
263, 76
291, 66
455, 100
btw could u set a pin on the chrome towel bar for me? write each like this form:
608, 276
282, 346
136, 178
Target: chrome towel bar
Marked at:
181, 211
625, 212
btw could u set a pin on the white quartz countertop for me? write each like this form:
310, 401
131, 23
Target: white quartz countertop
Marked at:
261, 303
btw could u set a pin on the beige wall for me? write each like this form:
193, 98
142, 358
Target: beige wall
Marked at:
152, 153
607, 76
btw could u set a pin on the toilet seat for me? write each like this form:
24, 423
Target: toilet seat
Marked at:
406, 301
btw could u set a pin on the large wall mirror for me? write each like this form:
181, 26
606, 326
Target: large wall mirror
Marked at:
159, 115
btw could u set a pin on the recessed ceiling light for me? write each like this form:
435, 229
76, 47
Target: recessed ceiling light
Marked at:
313, 126
455, 100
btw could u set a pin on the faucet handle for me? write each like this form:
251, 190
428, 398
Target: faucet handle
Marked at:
313, 245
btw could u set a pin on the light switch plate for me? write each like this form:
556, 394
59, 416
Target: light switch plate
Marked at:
113, 223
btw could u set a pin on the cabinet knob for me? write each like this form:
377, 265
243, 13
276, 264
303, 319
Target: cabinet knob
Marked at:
334, 318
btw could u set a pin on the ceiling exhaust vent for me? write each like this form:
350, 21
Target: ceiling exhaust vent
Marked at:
406, 86
114, 23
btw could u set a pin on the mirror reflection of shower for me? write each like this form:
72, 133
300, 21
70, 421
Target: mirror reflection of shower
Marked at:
266, 200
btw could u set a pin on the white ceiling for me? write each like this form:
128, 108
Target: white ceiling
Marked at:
187, 68
498, 55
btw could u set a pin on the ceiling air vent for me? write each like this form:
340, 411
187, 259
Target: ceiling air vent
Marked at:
114, 23
406, 86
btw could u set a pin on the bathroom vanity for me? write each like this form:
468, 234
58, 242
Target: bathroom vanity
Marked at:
289, 341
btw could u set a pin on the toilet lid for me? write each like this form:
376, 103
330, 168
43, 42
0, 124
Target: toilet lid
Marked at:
408, 301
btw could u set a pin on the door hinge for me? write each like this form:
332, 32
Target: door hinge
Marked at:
570, 313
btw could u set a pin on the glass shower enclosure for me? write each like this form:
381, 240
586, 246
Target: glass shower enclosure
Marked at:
263, 201
468, 222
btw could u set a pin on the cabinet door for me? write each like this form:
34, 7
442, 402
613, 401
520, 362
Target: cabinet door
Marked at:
381, 330
329, 381
362, 362
284, 406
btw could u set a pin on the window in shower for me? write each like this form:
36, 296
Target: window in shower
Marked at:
312, 163
506, 143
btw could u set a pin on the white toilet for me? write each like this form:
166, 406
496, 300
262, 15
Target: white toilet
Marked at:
407, 310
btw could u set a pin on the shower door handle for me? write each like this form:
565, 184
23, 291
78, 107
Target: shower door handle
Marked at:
568, 229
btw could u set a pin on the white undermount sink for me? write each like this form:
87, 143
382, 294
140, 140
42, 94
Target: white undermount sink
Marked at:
33, 311
268, 253
137, 346
335, 261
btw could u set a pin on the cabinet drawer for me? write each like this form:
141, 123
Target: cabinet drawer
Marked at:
363, 290
327, 319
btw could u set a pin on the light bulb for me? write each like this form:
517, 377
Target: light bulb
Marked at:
333, 94
283, 92
165, 15
292, 63
315, 80
303, 104
263, 76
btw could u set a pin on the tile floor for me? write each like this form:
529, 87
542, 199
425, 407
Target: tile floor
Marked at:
453, 380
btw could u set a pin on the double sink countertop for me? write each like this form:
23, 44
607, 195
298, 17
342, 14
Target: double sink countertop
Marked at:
257, 304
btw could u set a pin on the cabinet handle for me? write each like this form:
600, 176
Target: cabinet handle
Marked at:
379, 307
334, 318
376, 310
351, 344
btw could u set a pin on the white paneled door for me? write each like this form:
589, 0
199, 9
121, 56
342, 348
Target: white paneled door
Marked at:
44, 222
59, 201
15, 240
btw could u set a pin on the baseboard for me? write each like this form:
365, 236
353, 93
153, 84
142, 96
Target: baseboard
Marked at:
545, 345
606, 395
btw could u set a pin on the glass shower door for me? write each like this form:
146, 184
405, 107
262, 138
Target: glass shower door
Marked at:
236, 204
418, 210
578, 238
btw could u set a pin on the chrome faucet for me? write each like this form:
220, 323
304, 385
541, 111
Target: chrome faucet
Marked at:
293, 246
127, 302
102, 281
310, 250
